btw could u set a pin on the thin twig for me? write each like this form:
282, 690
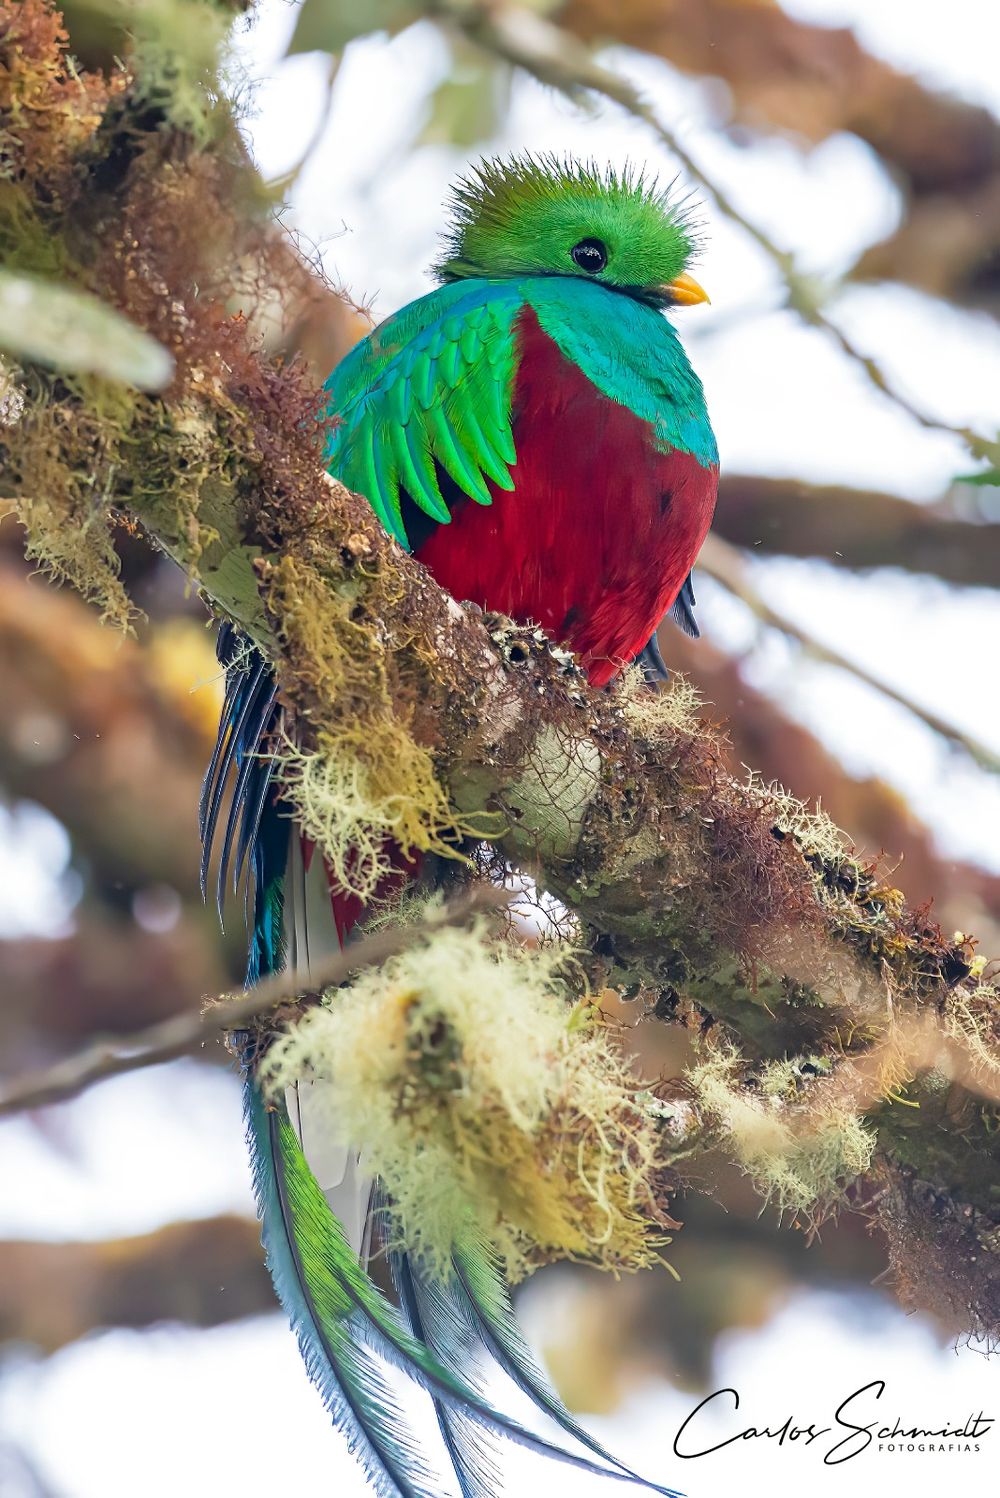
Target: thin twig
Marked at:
550, 54
186, 1032
724, 562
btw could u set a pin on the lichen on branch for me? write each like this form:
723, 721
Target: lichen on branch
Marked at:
491, 1107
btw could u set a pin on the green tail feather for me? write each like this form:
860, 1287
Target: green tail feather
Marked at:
305, 1261
335, 1309
488, 1300
337, 1312
434, 1317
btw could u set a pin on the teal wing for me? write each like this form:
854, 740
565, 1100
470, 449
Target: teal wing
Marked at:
429, 392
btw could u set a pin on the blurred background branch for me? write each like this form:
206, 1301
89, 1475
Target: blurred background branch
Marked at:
857, 528
206, 1023
201, 1273
723, 562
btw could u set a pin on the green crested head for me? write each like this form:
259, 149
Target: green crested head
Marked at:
543, 216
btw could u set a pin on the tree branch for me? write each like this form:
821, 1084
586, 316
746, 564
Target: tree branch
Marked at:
873, 813
201, 1273
195, 1028
855, 528
60, 993
723, 562
91, 725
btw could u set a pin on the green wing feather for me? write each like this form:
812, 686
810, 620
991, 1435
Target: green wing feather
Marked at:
429, 390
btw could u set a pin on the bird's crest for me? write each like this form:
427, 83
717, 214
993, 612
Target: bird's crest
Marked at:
553, 215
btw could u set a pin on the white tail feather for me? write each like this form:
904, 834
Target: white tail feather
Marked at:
311, 936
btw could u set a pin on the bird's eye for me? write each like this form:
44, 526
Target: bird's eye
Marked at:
590, 255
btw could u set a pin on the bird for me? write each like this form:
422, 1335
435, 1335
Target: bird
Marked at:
532, 431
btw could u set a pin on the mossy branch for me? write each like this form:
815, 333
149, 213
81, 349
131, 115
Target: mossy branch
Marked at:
825, 1009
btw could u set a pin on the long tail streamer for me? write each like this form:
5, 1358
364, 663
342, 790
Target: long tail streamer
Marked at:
347, 1330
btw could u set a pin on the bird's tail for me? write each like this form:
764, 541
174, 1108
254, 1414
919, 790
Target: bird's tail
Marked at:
316, 1202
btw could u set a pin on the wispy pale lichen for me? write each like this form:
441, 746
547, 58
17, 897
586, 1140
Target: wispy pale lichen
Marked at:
487, 1102
972, 1018
672, 710
799, 1164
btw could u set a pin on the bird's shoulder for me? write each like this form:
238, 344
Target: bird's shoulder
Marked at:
444, 330
630, 353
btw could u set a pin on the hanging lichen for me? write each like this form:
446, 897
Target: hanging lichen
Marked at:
487, 1101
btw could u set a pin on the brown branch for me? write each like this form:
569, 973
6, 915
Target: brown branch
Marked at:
855, 528
946, 246
58, 994
201, 1273
100, 732
189, 1031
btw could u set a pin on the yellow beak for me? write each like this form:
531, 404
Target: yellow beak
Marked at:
685, 291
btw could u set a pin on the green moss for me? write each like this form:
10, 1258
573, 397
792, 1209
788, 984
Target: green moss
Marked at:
175, 54
58, 487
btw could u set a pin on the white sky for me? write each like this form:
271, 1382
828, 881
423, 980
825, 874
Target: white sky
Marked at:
184, 1412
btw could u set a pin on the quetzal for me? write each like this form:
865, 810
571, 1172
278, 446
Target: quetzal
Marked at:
532, 431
